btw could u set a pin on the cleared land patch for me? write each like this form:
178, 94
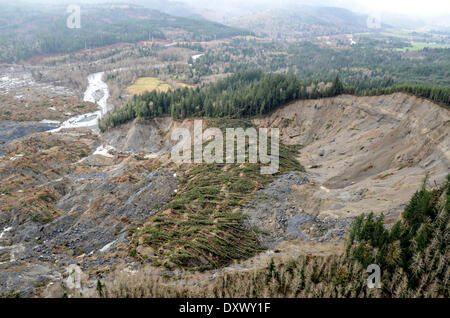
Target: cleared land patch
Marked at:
144, 84
148, 84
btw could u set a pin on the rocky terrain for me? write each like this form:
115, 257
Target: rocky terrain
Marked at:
71, 198
277, 209
66, 205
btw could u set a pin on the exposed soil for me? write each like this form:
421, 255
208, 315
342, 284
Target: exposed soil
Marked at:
365, 154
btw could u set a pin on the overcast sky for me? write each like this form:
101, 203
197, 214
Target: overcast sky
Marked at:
407, 7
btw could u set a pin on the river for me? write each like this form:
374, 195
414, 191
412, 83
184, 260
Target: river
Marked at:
96, 92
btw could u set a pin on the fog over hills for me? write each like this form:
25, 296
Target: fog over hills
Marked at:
410, 14
404, 14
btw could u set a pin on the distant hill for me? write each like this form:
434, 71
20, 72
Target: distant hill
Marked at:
175, 8
32, 31
301, 22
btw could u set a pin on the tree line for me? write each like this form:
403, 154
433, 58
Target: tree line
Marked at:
246, 94
439, 95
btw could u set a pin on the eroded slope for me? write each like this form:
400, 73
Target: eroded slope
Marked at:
364, 154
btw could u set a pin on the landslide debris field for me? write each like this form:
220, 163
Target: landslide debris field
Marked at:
75, 205
24, 99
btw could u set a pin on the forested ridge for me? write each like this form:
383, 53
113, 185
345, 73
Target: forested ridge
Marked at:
246, 94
